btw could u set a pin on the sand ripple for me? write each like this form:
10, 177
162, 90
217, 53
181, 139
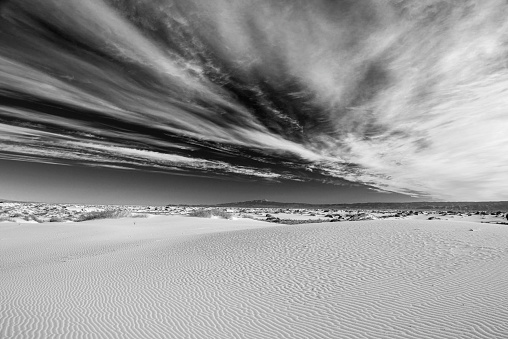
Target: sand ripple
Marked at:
378, 279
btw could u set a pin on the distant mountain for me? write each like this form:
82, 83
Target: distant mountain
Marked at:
452, 206
264, 203
15, 201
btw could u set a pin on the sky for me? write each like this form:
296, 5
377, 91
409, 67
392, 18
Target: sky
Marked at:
208, 101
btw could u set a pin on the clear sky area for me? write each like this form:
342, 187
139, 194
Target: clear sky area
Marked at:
78, 184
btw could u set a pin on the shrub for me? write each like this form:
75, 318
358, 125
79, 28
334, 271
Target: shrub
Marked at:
209, 213
31, 217
107, 214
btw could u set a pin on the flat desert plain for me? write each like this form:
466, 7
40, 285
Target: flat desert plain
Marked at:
182, 277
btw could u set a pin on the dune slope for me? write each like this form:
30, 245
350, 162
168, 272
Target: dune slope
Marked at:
193, 278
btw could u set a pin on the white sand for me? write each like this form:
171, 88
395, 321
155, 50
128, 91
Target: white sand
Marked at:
176, 277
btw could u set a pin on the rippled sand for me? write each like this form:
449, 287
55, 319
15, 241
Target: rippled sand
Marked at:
177, 277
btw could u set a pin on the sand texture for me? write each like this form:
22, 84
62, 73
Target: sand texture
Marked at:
178, 277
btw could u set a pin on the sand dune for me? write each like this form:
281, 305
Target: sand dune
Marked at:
177, 277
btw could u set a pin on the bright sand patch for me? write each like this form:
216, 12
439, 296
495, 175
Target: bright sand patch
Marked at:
176, 277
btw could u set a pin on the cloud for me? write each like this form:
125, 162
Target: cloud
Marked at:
405, 96
26, 144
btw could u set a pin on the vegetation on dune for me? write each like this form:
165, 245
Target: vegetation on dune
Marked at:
31, 217
108, 214
210, 213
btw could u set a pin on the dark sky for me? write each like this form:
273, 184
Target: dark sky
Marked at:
203, 101
56, 183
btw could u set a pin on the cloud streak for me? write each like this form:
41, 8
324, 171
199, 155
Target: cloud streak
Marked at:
404, 96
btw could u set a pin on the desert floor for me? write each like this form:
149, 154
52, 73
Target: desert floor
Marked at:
182, 277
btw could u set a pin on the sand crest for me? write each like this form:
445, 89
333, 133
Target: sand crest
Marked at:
176, 277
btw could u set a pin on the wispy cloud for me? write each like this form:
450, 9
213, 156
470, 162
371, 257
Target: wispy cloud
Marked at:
406, 96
